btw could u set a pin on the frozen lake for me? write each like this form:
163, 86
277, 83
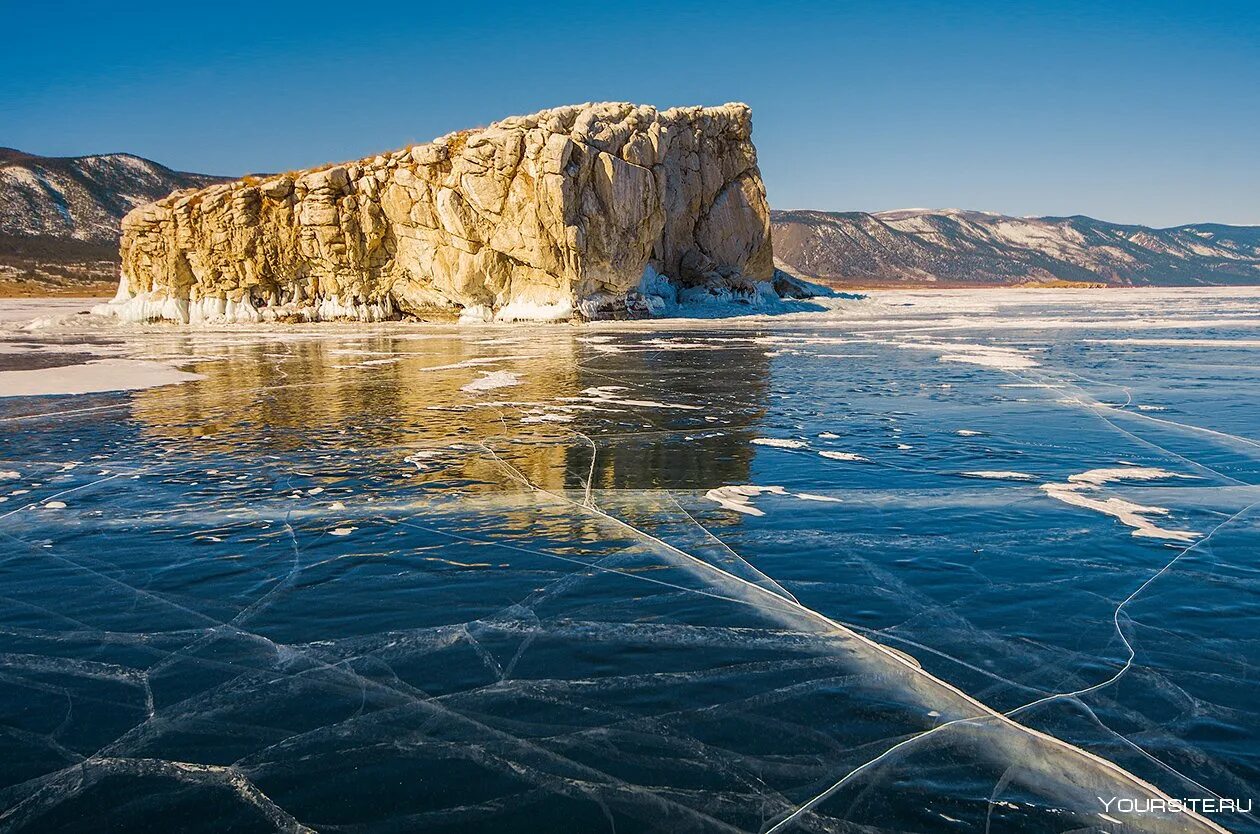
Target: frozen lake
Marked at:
965, 560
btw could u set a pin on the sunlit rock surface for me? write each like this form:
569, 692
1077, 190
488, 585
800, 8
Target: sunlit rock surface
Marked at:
594, 210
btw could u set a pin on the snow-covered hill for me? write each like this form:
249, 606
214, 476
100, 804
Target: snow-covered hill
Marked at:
83, 197
952, 247
59, 216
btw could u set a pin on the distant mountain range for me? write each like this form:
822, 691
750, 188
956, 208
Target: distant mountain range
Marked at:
59, 216
59, 229
952, 247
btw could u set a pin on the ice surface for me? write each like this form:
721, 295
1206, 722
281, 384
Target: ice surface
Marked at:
91, 377
323, 586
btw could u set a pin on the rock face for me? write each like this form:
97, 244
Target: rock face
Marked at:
576, 211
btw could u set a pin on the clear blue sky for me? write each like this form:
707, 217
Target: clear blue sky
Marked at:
1132, 112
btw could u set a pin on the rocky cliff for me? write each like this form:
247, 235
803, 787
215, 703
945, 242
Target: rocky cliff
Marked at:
950, 247
576, 211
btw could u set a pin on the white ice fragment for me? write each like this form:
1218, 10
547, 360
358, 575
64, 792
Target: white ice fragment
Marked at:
342, 531
829, 435
548, 418
491, 380
336, 505
54, 505
1098, 477
739, 498
809, 496
968, 433
999, 475
780, 443
849, 456
607, 395
422, 459
991, 356
9, 475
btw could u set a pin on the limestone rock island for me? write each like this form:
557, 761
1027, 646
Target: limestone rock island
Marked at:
586, 211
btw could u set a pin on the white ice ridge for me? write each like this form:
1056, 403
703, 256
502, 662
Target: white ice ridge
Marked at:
1082, 490
1070, 775
999, 475
1208, 343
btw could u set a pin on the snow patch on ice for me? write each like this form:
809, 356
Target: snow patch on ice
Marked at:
92, 377
739, 498
990, 356
849, 456
999, 475
1098, 477
780, 443
608, 395
1085, 490
491, 380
